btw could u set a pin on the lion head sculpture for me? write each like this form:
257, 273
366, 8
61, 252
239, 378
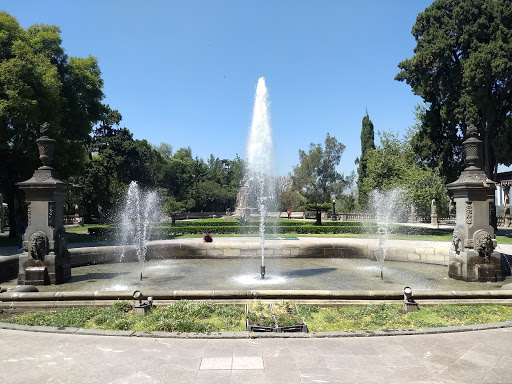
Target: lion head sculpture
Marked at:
38, 245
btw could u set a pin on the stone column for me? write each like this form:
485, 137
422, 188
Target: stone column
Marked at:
433, 214
472, 254
412, 214
506, 193
45, 258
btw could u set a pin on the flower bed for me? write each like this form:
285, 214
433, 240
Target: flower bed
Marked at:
276, 317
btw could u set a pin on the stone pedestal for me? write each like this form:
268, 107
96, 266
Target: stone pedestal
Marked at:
45, 258
472, 255
412, 215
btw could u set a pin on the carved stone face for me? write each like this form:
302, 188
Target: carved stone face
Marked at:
483, 243
456, 242
38, 245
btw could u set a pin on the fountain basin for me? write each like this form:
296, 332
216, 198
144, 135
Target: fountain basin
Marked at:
430, 252
232, 265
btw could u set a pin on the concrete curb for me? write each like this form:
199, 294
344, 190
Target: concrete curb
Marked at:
255, 335
9, 296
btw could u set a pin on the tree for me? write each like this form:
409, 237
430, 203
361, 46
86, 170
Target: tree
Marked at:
117, 159
180, 176
367, 143
212, 197
393, 164
109, 122
318, 208
39, 83
462, 67
173, 208
347, 202
316, 177
165, 150
290, 199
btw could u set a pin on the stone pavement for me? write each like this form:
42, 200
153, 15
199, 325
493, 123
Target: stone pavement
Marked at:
467, 357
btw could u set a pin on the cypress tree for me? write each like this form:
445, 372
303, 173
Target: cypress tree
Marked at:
367, 143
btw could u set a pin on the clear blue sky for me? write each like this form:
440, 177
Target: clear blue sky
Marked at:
185, 72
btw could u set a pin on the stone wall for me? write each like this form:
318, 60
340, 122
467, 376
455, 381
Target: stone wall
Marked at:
422, 252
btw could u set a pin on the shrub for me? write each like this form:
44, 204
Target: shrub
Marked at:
123, 306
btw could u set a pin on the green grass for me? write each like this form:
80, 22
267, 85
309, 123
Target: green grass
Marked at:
373, 317
504, 240
205, 316
71, 317
183, 316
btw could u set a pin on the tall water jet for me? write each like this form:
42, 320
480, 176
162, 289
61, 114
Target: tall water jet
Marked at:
260, 162
141, 210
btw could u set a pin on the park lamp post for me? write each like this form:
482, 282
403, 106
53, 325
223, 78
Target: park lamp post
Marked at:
334, 209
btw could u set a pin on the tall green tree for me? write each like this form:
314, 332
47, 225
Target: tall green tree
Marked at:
367, 143
316, 177
462, 68
40, 83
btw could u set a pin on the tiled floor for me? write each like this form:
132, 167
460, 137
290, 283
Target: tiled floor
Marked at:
238, 363
466, 357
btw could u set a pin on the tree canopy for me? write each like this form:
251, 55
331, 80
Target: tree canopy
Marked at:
393, 164
462, 67
39, 83
183, 181
316, 177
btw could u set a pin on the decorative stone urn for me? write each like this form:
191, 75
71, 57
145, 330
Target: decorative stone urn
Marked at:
472, 254
45, 258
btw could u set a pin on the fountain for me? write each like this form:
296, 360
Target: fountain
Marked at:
473, 256
140, 211
387, 207
317, 266
260, 162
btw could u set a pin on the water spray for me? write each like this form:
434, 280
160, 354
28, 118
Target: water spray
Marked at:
260, 161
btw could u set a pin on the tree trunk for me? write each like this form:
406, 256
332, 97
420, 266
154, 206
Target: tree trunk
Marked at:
12, 214
318, 218
488, 167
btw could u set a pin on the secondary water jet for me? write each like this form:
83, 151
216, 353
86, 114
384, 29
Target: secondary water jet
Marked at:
140, 211
387, 209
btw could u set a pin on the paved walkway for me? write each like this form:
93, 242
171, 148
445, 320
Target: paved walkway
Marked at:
467, 357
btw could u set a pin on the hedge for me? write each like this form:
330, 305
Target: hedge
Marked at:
164, 231
275, 222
